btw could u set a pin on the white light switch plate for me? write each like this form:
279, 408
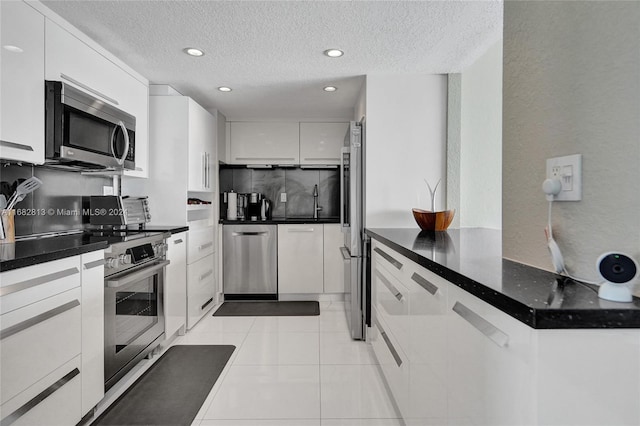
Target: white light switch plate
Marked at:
107, 190
568, 170
283, 197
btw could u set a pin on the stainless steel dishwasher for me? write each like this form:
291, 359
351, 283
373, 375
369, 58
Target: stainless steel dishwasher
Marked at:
250, 262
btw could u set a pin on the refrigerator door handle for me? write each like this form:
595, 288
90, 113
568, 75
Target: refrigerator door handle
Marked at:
344, 151
345, 253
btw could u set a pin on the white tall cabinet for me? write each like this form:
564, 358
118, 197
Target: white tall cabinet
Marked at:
21, 83
183, 164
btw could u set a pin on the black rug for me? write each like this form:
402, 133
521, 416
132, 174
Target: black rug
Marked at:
268, 309
172, 390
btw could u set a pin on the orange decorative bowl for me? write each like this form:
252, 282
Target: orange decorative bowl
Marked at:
433, 221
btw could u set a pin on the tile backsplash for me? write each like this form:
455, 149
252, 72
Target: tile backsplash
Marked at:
57, 205
295, 182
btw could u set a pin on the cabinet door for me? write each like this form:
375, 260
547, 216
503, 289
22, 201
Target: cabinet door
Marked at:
201, 284
175, 288
138, 99
333, 263
320, 143
202, 137
300, 259
265, 143
22, 83
427, 347
490, 367
92, 308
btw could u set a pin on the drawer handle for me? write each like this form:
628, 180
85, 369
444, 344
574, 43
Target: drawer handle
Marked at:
94, 264
248, 234
208, 302
482, 325
21, 326
38, 281
301, 230
204, 246
178, 241
424, 283
396, 293
89, 89
322, 158
16, 145
206, 274
388, 258
265, 158
393, 351
11, 418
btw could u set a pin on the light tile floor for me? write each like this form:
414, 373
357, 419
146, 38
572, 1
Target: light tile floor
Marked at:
302, 371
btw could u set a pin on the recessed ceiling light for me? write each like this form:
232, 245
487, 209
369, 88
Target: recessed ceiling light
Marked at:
12, 49
193, 51
330, 89
224, 89
333, 53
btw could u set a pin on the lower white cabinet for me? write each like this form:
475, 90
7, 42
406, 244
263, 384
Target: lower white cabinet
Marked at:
175, 289
51, 341
300, 259
333, 262
201, 280
92, 305
465, 362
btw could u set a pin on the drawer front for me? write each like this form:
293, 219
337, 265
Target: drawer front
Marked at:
200, 244
390, 259
23, 286
393, 363
37, 339
200, 289
392, 303
54, 400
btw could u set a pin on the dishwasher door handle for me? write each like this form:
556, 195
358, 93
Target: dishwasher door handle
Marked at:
248, 234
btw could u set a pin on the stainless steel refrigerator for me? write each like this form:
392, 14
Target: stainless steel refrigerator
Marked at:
352, 219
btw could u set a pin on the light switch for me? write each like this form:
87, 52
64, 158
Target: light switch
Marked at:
283, 197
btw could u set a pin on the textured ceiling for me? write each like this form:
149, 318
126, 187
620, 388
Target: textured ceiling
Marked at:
270, 52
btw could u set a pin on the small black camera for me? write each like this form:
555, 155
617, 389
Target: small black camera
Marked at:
617, 268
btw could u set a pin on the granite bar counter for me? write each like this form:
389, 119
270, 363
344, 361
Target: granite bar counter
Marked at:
30, 252
472, 260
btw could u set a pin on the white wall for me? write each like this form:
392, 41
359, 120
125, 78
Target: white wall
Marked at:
406, 143
572, 85
481, 142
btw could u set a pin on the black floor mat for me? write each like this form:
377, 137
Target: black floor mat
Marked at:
268, 309
172, 390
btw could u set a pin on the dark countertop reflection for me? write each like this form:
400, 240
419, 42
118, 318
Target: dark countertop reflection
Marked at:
471, 258
282, 221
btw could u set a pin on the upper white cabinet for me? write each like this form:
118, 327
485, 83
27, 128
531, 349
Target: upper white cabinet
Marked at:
320, 143
264, 143
300, 258
202, 128
21, 83
72, 61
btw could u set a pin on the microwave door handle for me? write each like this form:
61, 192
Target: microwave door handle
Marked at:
126, 142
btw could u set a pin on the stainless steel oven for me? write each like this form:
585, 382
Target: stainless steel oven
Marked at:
133, 292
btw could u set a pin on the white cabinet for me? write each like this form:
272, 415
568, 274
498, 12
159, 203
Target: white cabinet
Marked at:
21, 83
41, 343
72, 61
92, 305
201, 285
175, 289
264, 143
333, 263
202, 143
320, 143
300, 258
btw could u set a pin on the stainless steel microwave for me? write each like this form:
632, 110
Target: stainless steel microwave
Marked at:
86, 132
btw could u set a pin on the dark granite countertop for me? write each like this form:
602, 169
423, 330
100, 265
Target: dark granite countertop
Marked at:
472, 260
167, 228
282, 221
30, 252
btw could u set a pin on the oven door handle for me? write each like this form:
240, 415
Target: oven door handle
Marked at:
137, 276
